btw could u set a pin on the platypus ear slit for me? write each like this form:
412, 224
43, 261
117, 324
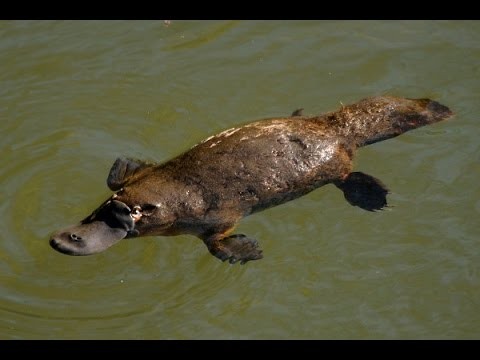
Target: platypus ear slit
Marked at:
121, 170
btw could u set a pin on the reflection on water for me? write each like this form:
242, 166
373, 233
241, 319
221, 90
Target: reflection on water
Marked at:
75, 95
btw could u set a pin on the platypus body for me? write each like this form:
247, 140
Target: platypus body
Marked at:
208, 189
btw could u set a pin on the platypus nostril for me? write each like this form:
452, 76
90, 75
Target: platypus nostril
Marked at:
75, 237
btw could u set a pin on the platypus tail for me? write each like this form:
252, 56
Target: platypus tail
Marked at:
384, 117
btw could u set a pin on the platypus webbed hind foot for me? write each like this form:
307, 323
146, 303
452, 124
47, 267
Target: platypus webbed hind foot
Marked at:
234, 248
364, 191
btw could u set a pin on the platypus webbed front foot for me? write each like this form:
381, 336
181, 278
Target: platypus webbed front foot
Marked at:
234, 248
364, 191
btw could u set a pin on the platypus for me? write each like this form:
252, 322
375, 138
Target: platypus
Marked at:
206, 190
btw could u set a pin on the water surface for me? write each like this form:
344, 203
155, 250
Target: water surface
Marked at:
77, 94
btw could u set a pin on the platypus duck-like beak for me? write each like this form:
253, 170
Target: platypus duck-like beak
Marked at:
107, 225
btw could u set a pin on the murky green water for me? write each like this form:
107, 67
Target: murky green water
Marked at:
75, 95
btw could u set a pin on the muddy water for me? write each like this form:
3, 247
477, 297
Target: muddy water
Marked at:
74, 95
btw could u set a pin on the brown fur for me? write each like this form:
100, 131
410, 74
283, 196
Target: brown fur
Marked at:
208, 189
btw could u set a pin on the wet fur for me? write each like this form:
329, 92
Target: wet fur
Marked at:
209, 188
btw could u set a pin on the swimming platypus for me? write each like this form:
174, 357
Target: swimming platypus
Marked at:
209, 188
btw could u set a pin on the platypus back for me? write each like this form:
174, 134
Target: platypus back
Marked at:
384, 117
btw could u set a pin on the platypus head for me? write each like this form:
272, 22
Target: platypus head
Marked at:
128, 213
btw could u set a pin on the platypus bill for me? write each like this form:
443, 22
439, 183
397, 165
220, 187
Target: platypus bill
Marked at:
209, 188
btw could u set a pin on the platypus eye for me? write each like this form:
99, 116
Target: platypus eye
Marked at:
136, 213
